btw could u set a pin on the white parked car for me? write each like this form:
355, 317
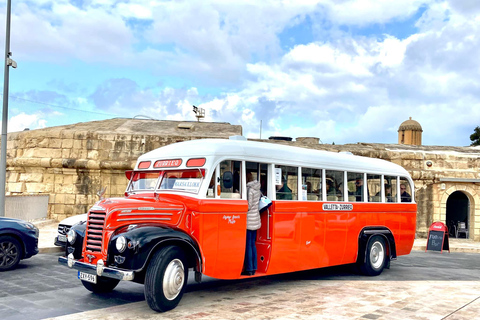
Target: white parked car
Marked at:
65, 225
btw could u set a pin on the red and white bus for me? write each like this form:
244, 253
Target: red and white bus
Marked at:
185, 207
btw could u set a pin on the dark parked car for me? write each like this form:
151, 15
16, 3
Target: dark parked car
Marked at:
18, 240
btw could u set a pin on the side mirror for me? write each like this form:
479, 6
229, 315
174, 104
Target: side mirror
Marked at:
227, 179
128, 174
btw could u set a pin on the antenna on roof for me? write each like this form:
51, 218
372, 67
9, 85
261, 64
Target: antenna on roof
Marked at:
199, 113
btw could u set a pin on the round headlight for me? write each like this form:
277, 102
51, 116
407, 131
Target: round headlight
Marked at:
71, 235
121, 244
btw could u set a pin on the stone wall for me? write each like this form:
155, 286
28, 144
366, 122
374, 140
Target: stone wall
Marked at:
72, 163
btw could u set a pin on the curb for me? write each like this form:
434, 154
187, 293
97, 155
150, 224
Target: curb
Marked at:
50, 249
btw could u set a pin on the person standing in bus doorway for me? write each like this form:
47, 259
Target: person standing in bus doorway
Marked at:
405, 196
253, 224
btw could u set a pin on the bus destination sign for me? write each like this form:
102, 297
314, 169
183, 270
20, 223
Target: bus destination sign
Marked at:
337, 207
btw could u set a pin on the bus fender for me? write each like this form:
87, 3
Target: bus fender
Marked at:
367, 233
143, 240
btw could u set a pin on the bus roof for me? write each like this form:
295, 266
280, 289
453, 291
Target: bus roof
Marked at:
272, 153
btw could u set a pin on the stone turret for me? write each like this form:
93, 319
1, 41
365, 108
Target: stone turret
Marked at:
410, 132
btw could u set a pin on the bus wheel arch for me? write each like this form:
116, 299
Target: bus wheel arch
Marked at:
376, 248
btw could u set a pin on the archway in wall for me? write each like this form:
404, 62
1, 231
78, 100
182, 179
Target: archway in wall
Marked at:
458, 208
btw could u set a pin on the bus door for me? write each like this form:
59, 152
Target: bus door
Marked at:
259, 172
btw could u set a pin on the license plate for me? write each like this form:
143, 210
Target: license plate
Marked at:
62, 238
87, 277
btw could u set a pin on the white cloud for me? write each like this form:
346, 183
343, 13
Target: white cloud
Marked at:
24, 121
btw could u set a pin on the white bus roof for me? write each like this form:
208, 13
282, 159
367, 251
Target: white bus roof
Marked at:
215, 150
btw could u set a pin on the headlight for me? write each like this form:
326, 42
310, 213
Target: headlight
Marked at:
121, 244
71, 235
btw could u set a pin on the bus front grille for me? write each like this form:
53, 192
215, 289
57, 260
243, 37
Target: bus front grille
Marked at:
94, 235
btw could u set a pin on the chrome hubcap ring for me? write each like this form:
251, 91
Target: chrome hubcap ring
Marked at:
377, 255
173, 279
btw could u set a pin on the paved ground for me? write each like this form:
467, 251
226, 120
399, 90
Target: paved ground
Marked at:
419, 286
422, 285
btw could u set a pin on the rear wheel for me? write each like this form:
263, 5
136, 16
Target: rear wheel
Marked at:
103, 285
376, 256
10, 253
166, 279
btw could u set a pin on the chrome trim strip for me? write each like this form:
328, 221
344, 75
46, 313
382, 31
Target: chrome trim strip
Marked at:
144, 214
136, 219
376, 231
153, 209
92, 269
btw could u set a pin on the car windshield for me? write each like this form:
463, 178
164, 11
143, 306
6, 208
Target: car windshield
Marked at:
182, 180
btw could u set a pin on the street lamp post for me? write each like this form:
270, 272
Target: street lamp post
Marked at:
3, 158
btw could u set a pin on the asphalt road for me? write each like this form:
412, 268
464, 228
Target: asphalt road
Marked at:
41, 288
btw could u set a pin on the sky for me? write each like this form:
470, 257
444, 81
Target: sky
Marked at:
345, 71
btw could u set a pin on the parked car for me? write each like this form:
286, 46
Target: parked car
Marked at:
18, 240
65, 225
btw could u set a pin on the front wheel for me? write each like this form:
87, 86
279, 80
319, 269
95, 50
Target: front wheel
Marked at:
376, 257
103, 285
10, 253
166, 279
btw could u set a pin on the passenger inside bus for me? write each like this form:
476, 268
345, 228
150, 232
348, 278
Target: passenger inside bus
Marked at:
405, 196
283, 191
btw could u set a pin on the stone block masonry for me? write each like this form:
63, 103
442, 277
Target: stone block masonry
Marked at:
72, 163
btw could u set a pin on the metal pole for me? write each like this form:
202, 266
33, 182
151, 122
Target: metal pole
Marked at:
260, 129
3, 157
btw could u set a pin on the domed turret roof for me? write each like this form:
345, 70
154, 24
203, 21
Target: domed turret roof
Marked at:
410, 125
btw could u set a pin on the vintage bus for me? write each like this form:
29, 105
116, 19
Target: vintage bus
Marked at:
185, 208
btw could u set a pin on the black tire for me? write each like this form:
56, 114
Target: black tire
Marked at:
10, 253
103, 285
166, 279
376, 257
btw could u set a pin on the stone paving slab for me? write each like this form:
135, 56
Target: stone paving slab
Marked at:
310, 299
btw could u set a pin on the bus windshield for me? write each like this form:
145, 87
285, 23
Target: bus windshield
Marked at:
144, 181
182, 180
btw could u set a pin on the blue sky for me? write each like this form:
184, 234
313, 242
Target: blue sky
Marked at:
343, 71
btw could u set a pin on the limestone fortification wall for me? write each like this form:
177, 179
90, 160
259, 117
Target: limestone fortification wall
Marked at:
437, 171
72, 163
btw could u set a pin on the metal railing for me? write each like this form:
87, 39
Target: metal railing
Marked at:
27, 207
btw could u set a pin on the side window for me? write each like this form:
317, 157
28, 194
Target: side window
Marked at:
405, 190
312, 184
287, 183
230, 175
211, 186
259, 171
355, 186
334, 184
374, 187
390, 189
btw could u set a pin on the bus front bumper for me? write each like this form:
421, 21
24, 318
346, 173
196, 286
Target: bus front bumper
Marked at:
99, 269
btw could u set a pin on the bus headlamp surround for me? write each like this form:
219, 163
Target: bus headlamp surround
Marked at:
121, 244
71, 236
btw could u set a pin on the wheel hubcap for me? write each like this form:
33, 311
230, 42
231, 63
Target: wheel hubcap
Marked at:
8, 254
173, 279
377, 255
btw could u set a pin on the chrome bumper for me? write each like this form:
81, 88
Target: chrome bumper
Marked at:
99, 269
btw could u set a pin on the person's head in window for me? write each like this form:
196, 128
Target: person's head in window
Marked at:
404, 195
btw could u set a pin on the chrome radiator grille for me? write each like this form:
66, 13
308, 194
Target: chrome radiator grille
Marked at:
95, 226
